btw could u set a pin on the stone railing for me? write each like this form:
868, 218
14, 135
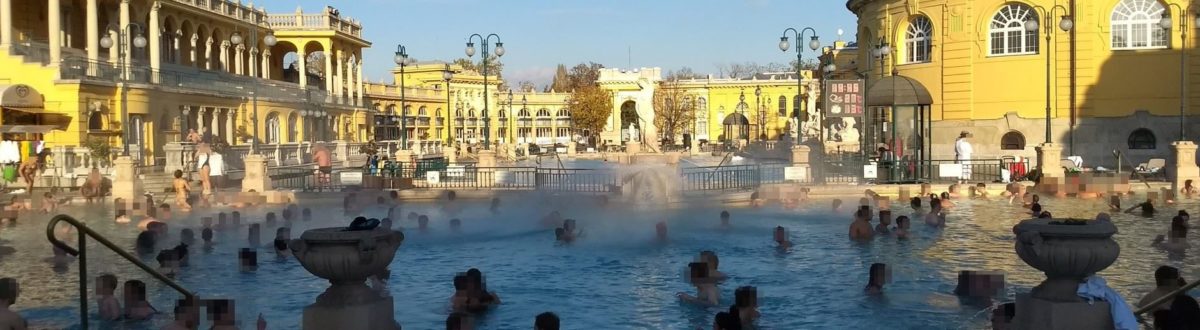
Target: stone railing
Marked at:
234, 9
327, 20
394, 91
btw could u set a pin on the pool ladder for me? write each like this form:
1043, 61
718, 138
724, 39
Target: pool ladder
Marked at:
81, 255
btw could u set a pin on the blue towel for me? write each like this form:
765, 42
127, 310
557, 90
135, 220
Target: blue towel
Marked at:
1095, 288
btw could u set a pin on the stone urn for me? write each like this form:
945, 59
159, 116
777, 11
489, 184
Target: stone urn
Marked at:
347, 259
1067, 251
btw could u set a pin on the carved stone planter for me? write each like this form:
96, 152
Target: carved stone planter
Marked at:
1066, 253
347, 259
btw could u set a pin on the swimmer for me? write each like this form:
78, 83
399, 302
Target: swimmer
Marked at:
270, 219
1188, 189
781, 238
9, 291
878, 276
207, 235
981, 191
660, 231
136, 306
1147, 208
253, 235
571, 230
1034, 199
1176, 239
946, 203
837, 206
560, 235
710, 258
282, 236
385, 224
885, 220
106, 288
1045, 215
937, 216
461, 296
480, 297
495, 207
168, 262
1114, 203
901, 230
706, 287
860, 229
187, 316
725, 219
49, 204
1035, 209
121, 217
423, 223
745, 306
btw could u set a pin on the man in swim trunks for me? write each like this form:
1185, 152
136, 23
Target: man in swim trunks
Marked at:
29, 169
324, 162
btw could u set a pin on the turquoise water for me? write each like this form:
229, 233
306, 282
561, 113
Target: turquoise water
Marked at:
617, 276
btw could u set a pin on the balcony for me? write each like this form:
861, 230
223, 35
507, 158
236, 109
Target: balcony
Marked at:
176, 77
234, 9
299, 21
375, 89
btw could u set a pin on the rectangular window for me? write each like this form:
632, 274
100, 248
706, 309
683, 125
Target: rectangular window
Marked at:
997, 43
1140, 37
1118, 35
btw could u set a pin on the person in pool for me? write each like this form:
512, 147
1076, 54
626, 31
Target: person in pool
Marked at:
1034, 199
423, 222
1035, 209
495, 207
136, 306
860, 229
570, 230
9, 291
746, 306
106, 288
781, 238
1147, 208
936, 216
1188, 189
837, 206
1114, 203
458, 301
901, 230
877, 278
710, 258
480, 297
706, 287
725, 220
282, 236
660, 231
885, 221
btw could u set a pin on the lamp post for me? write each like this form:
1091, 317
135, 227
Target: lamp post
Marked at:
139, 42
813, 44
269, 41
524, 105
1165, 23
508, 128
1032, 26
758, 105
470, 53
447, 75
401, 59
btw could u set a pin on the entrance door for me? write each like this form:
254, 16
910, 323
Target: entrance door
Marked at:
631, 125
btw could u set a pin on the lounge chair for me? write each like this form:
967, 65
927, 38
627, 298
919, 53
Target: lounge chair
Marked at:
1155, 167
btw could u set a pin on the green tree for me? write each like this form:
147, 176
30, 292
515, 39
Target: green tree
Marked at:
590, 108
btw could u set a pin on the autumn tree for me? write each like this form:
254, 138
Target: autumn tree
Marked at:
673, 111
590, 108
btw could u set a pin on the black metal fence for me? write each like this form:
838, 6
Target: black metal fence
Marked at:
575, 180
852, 170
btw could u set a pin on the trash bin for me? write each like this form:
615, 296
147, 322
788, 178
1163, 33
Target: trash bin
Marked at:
10, 173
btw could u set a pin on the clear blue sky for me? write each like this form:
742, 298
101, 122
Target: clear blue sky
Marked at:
540, 34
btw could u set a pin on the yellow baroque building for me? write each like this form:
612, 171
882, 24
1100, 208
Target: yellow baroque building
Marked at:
142, 73
1112, 68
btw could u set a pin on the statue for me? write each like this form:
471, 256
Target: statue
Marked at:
633, 133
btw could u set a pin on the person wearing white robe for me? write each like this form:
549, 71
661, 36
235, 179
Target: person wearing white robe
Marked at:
962, 155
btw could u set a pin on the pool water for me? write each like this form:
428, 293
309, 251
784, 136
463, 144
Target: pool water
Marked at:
615, 277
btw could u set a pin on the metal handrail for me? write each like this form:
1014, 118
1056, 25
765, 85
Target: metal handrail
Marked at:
81, 255
1120, 156
1150, 306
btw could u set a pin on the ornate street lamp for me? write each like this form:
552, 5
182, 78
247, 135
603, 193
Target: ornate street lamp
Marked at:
813, 44
140, 42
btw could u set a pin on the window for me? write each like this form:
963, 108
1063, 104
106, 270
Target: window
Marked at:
503, 114
1135, 25
96, 121
1142, 139
1012, 141
918, 40
797, 107
471, 114
422, 112
543, 112
563, 113
391, 109
1008, 35
408, 110
782, 106
272, 128
458, 113
294, 127
524, 113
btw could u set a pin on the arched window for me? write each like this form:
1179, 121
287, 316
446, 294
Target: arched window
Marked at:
524, 113
391, 109
918, 40
1012, 141
458, 113
1008, 34
797, 107
471, 114
782, 106
293, 127
408, 110
563, 113
96, 121
1135, 25
422, 112
272, 128
543, 112
503, 114
1142, 139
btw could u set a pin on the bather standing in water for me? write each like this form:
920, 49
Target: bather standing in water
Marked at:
706, 287
660, 231
725, 220
9, 290
860, 229
878, 276
182, 190
92, 188
781, 238
1147, 208
901, 230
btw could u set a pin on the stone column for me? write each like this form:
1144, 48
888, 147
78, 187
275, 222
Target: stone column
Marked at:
126, 184
1050, 164
155, 43
93, 34
303, 68
253, 63
208, 45
6, 21
359, 81
237, 59
330, 72
216, 122
265, 68
230, 127
335, 82
1185, 165
255, 177
54, 20
224, 56
200, 120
